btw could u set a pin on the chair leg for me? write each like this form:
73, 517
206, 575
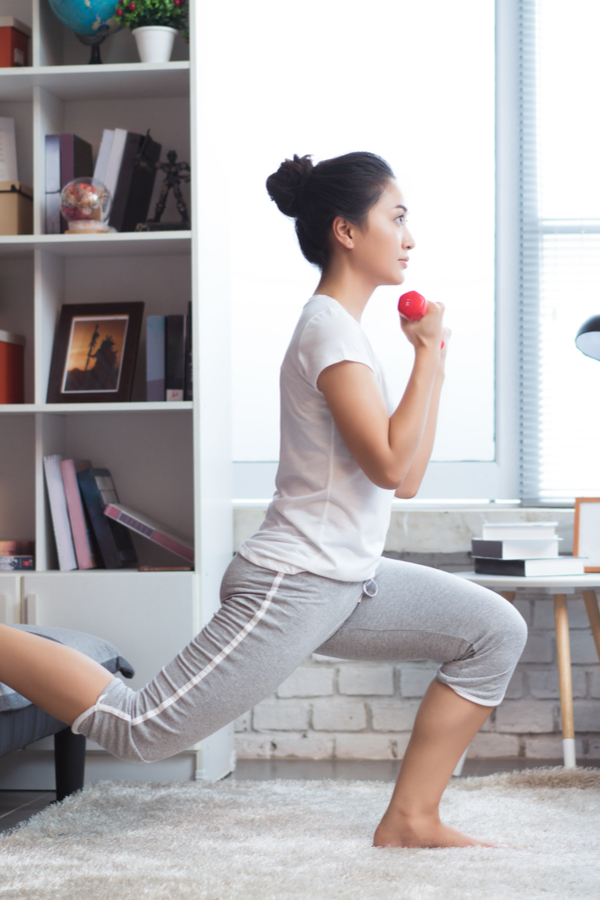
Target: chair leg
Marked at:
563, 657
591, 604
69, 762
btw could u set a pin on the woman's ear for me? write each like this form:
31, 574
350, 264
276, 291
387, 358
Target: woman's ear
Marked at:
343, 232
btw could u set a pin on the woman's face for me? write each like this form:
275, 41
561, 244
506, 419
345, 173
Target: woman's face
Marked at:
381, 246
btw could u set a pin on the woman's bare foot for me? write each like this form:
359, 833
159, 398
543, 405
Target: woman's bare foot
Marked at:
420, 831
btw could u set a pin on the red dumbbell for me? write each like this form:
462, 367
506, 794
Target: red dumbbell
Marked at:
413, 306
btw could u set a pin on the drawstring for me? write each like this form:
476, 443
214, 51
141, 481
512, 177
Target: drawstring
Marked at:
370, 588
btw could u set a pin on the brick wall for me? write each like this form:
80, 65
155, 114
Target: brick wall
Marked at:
331, 709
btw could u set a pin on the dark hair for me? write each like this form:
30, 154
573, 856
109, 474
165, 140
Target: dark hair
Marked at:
346, 186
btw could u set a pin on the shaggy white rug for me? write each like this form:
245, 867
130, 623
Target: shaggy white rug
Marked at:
285, 839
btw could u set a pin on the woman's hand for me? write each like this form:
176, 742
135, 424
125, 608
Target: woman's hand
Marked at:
428, 331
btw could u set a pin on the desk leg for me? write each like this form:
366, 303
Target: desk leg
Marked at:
563, 655
509, 595
591, 604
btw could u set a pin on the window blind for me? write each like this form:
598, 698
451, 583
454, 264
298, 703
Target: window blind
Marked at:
559, 223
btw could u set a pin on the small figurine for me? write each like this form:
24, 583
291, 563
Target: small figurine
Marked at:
175, 173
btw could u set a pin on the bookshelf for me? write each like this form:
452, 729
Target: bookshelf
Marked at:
170, 460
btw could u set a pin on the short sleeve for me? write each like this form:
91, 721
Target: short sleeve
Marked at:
331, 337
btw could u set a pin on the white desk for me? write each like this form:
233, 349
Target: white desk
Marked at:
559, 587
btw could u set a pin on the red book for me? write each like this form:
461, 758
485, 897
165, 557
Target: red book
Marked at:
84, 551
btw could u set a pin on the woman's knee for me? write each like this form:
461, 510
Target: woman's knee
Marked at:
506, 632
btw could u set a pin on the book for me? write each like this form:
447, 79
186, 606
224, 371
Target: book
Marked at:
53, 186
114, 541
559, 565
17, 548
151, 529
504, 531
84, 549
12, 367
142, 183
59, 513
14, 563
175, 358
103, 154
113, 165
515, 549
75, 158
123, 185
155, 358
188, 391
8, 150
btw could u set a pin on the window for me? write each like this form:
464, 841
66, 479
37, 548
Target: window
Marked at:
415, 83
560, 287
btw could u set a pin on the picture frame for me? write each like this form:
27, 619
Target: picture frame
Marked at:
95, 351
586, 533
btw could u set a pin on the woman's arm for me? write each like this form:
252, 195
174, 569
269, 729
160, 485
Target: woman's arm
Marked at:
387, 447
415, 474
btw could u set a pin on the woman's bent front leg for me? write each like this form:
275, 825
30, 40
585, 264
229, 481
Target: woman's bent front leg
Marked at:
420, 613
444, 726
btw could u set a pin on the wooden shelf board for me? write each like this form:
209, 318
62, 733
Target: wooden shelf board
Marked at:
123, 81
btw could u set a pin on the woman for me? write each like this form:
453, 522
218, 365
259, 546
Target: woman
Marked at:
312, 578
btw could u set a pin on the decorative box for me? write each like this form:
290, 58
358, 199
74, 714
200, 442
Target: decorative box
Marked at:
14, 42
12, 368
16, 208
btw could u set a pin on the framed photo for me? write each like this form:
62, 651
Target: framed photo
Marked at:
95, 349
586, 536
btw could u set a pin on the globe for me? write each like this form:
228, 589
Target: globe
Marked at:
88, 18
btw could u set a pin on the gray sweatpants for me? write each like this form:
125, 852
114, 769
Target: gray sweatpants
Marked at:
269, 623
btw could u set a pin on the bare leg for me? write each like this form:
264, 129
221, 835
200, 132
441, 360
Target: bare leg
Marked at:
60, 680
445, 725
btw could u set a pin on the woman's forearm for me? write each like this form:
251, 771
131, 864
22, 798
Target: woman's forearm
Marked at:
412, 481
409, 424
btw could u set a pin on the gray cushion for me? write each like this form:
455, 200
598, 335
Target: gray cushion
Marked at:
96, 648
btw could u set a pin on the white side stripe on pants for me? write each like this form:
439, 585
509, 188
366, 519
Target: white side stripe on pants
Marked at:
258, 615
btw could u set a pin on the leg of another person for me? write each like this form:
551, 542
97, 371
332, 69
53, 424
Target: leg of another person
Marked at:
420, 613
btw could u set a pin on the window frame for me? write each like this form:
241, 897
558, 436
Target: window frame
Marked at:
498, 479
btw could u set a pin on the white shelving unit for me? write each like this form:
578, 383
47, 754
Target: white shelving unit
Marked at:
170, 460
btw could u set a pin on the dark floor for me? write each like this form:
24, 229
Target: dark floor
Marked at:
18, 806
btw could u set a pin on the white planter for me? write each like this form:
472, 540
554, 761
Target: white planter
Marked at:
154, 42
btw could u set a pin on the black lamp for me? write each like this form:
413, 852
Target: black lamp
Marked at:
588, 337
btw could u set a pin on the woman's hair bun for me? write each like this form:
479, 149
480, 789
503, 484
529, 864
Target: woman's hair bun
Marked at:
286, 186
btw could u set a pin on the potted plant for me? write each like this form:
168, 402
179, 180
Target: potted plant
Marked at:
154, 24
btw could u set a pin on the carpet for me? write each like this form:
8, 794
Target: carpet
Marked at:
285, 839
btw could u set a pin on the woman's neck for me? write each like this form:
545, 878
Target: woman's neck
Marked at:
349, 291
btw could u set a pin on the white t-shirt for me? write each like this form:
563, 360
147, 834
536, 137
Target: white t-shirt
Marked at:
326, 516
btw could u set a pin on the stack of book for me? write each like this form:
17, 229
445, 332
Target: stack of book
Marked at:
524, 549
92, 529
126, 164
15, 555
169, 357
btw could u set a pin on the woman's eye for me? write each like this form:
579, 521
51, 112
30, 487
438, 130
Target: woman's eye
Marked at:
400, 219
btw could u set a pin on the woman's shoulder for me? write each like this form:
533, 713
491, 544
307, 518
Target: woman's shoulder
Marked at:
323, 316
326, 334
